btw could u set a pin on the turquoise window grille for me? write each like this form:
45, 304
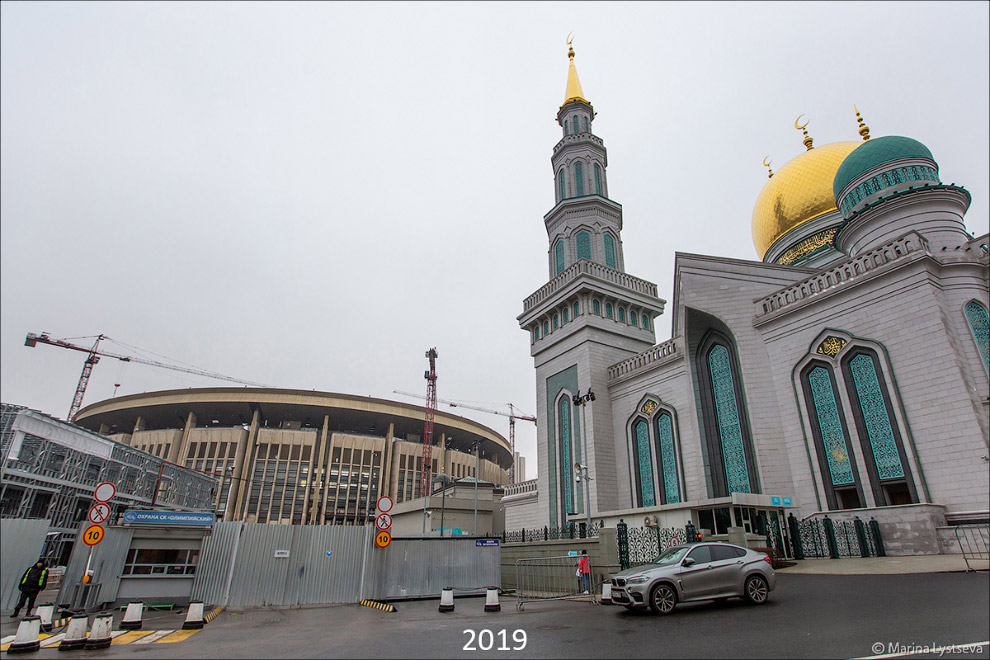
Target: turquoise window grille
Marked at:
646, 321
598, 180
727, 416
558, 257
577, 308
643, 464
565, 315
609, 249
586, 129
536, 331
622, 314
583, 241
976, 316
875, 417
578, 178
596, 307
608, 310
546, 328
833, 435
560, 184
668, 464
576, 128
564, 415
556, 321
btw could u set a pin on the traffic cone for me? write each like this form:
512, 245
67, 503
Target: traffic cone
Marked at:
606, 593
99, 636
491, 600
447, 600
26, 640
194, 618
75, 634
132, 617
46, 612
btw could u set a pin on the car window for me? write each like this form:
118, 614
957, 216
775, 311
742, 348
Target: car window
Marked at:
720, 552
701, 555
670, 556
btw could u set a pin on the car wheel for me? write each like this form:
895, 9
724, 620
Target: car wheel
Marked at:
757, 590
663, 598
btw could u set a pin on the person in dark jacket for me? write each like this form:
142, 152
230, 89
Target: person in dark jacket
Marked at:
32, 583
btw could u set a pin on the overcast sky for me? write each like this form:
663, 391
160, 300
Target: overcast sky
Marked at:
312, 195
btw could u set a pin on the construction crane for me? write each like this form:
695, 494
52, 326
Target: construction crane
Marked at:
431, 408
94, 355
512, 415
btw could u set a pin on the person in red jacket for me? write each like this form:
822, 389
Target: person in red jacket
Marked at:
32, 583
584, 565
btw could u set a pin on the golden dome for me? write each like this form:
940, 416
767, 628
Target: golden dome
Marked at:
797, 192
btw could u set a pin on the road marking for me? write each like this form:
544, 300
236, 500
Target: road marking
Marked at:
52, 641
6, 641
131, 636
921, 649
154, 636
178, 636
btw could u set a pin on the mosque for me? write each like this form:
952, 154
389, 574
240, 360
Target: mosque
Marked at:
846, 372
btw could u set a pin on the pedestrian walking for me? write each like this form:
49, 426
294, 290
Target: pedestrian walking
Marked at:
32, 583
584, 566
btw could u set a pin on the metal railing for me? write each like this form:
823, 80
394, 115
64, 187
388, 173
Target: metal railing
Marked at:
974, 543
837, 538
552, 578
546, 533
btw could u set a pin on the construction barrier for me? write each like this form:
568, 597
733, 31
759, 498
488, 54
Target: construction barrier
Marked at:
491, 600
447, 600
606, 593
549, 578
132, 617
385, 607
75, 634
194, 618
46, 612
100, 636
26, 640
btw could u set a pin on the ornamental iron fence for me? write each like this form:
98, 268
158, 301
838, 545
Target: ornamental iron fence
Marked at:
825, 537
641, 545
569, 531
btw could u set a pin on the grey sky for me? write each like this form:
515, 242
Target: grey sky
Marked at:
311, 195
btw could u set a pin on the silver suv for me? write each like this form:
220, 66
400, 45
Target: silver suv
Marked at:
700, 571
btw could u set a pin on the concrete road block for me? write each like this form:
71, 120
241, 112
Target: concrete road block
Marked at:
132, 617
491, 600
607, 593
194, 618
447, 600
75, 634
26, 640
46, 612
99, 636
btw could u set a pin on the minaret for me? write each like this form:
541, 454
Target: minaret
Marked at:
590, 315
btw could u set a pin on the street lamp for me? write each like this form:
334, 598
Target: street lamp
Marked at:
443, 479
579, 400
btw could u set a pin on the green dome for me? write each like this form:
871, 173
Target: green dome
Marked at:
876, 152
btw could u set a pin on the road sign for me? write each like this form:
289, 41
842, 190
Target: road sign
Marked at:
384, 521
384, 504
93, 535
104, 492
486, 543
99, 513
383, 538
673, 540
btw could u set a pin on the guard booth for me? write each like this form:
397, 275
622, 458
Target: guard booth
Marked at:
151, 556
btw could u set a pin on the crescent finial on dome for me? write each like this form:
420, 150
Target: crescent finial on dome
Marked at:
864, 130
808, 141
766, 162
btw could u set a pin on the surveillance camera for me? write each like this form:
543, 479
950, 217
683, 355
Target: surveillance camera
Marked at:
578, 478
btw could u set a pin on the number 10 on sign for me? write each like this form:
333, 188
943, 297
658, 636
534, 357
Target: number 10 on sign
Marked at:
383, 539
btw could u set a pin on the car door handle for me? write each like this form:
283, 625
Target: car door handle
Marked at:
711, 566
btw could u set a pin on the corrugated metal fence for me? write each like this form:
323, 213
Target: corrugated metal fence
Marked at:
22, 543
422, 567
107, 565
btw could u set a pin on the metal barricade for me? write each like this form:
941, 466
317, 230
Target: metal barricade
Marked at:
974, 543
551, 578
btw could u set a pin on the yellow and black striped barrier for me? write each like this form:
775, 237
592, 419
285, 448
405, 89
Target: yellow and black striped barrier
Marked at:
61, 623
212, 615
379, 606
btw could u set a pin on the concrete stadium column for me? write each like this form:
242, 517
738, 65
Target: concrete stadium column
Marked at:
319, 494
327, 467
385, 483
138, 425
242, 464
184, 443
104, 429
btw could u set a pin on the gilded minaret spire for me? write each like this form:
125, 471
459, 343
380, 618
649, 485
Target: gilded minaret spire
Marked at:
804, 127
864, 130
574, 91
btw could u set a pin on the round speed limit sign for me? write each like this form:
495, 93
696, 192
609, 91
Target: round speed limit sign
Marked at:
383, 539
93, 535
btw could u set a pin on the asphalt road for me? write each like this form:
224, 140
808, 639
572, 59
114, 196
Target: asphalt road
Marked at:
808, 616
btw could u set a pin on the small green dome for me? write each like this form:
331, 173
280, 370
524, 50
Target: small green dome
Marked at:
876, 152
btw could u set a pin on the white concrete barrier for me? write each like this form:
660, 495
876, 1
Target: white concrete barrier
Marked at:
26, 640
491, 600
447, 600
75, 634
46, 612
194, 618
132, 617
99, 636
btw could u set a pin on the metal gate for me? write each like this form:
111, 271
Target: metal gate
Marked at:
550, 578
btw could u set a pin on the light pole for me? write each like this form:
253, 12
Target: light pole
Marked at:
579, 400
477, 467
226, 500
443, 479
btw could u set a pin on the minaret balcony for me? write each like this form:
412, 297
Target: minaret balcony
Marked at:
592, 269
578, 138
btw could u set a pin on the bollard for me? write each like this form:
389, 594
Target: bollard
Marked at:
194, 618
606, 592
447, 600
26, 640
132, 617
75, 634
99, 636
46, 612
491, 600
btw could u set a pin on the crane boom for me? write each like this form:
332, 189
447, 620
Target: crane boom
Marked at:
94, 356
431, 407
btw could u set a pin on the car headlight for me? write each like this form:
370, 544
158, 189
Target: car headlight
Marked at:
639, 579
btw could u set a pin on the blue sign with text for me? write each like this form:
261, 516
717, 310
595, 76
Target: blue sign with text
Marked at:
132, 517
775, 501
787, 501
486, 543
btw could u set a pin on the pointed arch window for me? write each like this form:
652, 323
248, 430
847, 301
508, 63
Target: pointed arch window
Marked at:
583, 241
598, 180
667, 467
645, 493
578, 177
546, 328
565, 315
596, 307
558, 257
577, 308
556, 321
622, 314
609, 243
566, 461
561, 185
576, 128
586, 129
979, 324
536, 331
608, 310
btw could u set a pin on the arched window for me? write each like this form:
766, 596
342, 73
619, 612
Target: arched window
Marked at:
609, 248
976, 316
565, 127
646, 322
727, 435
561, 185
608, 310
883, 450
645, 493
598, 180
546, 328
670, 492
576, 128
566, 461
536, 331
577, 308
596, 307
586, 129
622, 314
565, 315
556, 321
578, 177
558, 257
583, 241
828, 425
